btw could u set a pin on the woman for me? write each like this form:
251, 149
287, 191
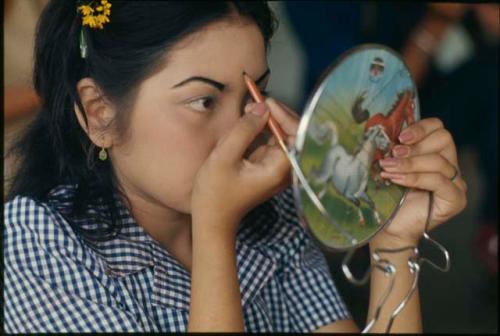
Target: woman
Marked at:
148, 198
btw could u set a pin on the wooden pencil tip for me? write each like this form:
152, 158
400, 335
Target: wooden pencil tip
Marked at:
244, 73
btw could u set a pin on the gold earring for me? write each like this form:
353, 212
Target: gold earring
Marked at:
102, 154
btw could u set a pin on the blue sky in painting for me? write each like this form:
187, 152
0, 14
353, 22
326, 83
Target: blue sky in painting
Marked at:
351, 78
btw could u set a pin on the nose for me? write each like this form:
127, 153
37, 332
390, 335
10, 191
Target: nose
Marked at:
228, 116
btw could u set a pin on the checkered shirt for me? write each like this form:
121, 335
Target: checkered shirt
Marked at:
54, 281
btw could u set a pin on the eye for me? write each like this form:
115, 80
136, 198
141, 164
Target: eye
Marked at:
202, 104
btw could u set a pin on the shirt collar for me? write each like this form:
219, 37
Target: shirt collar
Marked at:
133, 250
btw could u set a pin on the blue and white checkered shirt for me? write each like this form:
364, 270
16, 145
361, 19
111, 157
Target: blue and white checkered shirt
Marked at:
54, 281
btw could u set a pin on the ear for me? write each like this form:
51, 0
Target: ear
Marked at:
98, 111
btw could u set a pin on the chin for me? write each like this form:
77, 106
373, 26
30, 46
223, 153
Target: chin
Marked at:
184, 206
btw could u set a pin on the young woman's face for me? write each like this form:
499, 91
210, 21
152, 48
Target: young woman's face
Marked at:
183, 110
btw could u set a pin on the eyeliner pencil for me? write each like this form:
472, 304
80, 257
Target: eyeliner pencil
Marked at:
273, 125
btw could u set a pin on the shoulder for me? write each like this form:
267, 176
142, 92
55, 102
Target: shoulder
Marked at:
24, 216
36, 232
52, 279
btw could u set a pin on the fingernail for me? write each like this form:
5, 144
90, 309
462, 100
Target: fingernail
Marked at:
392, 176
249, 107
406, 135
259, 109
389, 162
401, 151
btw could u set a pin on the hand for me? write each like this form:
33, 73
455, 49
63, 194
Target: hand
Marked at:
428, 165
233, 180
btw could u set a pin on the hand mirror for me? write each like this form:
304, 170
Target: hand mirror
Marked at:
352, 119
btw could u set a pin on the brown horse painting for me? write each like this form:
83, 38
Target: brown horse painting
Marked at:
403, 110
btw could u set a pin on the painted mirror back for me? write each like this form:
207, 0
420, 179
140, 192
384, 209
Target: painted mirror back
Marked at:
353, 119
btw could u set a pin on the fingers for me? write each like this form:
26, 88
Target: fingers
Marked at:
271, 166
287, 119
436, 182
275, 166
257, 154
427, 163
426, 159
419, 130
272, 159
424, 137
234, 145
419, 164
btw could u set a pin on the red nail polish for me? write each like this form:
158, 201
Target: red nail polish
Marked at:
406, 135
392, 176
259, 109
401, 151
389, 162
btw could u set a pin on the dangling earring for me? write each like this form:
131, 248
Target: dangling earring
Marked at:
102, 154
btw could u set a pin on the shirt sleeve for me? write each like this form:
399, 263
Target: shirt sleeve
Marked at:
309, 290
45, 289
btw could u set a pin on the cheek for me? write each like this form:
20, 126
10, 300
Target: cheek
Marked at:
162, 157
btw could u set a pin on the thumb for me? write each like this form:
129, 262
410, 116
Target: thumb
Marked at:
245, 130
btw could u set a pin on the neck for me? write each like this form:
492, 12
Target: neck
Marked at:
365, 154
169, 227
401, 112
165, 225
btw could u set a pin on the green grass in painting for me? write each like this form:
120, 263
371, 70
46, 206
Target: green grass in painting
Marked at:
340, 209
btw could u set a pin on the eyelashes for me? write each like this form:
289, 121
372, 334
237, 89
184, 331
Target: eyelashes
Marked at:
208, 103
202, 104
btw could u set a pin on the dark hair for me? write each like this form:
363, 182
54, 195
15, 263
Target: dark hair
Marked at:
54, 149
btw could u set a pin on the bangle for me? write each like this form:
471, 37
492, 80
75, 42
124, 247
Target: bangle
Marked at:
425, 41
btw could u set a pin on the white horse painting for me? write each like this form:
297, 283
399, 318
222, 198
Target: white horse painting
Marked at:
348, 173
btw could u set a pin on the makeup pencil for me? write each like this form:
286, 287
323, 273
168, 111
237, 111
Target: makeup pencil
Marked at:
273, 125
278, 133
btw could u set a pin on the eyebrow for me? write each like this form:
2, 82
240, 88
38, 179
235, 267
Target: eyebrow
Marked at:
216, 84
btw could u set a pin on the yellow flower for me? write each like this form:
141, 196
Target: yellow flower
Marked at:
106, 6
89, 21
101, 19
95, 21
86, 10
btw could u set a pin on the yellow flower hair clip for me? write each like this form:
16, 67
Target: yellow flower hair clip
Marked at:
102, 12
95, 16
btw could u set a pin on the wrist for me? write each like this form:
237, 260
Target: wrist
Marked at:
214, 228
399, 259
384, 240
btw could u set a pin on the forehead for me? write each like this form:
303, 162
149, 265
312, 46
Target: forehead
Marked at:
220, 50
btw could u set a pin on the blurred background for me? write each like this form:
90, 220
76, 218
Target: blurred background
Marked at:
452, 52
